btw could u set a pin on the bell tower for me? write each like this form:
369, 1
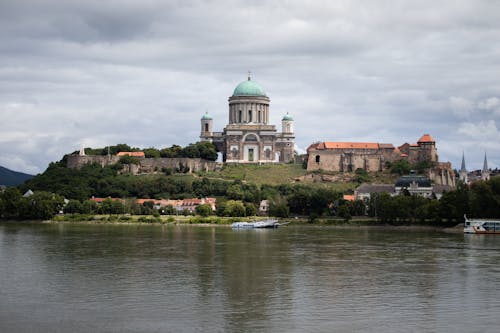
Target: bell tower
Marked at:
206, 127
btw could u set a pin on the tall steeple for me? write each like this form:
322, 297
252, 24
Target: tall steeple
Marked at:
462, 173
485, 173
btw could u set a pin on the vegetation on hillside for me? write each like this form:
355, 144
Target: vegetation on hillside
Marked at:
205, 150
12, 178
239, 190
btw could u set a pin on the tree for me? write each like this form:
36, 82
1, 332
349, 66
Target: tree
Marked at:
174, 151
151, 152
250, 209
73, 206
343, 212
40, 206
204, 210
235, 192
11, 199
401, 167
278, 208
234, 208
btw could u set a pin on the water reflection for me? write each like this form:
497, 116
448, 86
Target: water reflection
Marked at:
180, 278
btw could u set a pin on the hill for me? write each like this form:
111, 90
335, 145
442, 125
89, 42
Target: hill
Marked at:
12, 178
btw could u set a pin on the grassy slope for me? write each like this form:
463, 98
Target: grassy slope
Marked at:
274, 174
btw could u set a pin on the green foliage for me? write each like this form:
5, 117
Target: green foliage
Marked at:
39, 206
401, 167
73, 207
278, 207
151, 152
250, 209
235, 192
127, 159
174, 151
343, 212
204, 210
231, 208
361, 176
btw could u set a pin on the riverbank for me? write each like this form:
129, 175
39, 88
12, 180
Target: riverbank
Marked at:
362, 222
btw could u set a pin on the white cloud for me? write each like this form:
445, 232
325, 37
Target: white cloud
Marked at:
144, 72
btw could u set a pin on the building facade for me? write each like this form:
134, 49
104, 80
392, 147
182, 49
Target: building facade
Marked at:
373, 157
249, 137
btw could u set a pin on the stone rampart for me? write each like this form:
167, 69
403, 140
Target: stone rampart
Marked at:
146, 165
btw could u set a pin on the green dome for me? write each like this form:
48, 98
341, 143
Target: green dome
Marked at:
249, 88
288, 117
206, 116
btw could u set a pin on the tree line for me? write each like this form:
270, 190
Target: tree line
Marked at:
237, 198
205, 150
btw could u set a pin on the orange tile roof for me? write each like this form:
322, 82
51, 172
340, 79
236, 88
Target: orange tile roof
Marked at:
349, 197
350, 145
131, 153
426, 138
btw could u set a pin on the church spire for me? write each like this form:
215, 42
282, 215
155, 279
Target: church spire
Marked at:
462, 173
485, 173
485, 164
462, 168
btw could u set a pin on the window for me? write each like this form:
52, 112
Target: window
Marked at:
206, 127
317, 158
239, 116
250, 116
250, 137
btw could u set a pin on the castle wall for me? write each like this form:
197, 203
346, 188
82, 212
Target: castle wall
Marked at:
345, 160
146, 165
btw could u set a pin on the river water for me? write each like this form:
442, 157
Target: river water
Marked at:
143, 278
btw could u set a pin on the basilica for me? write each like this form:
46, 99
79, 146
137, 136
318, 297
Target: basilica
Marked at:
249, 137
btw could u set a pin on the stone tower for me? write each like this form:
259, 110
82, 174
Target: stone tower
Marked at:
206, 127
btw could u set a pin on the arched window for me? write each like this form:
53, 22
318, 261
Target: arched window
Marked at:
317, 158
251, 137
206, 127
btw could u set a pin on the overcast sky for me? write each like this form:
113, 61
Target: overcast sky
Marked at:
99, 72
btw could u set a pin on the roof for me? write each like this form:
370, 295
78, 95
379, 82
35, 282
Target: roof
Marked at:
349, 197
386, 146
349, 145
249, 88
426, 138
375, 188
206, 116
287, 117
406, 181
131, 153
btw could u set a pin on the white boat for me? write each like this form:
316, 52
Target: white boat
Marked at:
256, 224
481, 226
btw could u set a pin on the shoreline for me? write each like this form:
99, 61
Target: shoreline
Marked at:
338, 224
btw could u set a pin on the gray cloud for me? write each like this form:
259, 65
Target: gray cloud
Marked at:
95, 73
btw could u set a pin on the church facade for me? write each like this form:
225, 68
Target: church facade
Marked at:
249, 137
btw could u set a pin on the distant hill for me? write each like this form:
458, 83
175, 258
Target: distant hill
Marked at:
12, 178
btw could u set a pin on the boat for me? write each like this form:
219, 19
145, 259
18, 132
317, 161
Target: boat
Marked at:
256, 224
481, 226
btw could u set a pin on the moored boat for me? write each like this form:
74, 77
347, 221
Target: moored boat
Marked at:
256, 224
481, 226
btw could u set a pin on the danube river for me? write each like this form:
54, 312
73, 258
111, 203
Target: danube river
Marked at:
143, 278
